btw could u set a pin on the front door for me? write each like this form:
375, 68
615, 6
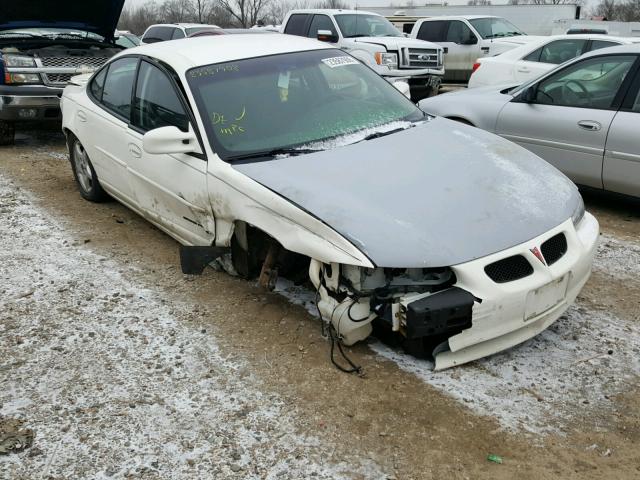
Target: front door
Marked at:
171, 190
567, 122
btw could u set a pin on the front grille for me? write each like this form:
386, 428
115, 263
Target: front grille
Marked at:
509, 269
554, 248
421, 58
58, 78
73, 62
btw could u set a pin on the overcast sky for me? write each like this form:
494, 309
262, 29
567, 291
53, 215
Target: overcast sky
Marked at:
378, 3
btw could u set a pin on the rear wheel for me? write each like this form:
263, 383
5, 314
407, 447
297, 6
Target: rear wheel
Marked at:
85, 175
7, 133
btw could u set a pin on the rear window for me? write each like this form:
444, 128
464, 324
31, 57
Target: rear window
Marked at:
158, 34
296, 24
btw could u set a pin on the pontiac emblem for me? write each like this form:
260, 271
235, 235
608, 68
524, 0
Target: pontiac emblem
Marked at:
536, 251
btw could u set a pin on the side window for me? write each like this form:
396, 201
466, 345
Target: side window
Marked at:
156, 102
533, 56
459, 32
598, 44
435, 31
562, 50
592, 83
636, 104
320, 22
296, 24
97, 84
177, 33
157, 34
407, 27
116, 94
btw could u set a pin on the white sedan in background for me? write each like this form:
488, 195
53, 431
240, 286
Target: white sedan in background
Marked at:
529, 61
583, 117
299, 160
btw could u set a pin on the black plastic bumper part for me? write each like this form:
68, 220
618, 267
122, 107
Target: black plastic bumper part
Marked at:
443, 312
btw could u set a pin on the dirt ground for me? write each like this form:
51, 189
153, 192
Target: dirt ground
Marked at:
261, 399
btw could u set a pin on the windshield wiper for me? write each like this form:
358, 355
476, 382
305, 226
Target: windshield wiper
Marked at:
373, 135
358, 35
276, 151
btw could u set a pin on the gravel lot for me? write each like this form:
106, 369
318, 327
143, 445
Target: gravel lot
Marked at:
122, 367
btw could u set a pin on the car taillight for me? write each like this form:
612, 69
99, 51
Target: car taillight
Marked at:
476, 66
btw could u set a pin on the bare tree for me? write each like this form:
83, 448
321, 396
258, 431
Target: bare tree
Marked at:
245, 12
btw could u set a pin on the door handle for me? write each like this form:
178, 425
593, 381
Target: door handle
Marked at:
589, 125
523, 70
81, 116
135, 150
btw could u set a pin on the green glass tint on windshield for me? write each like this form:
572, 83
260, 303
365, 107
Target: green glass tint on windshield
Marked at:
290, 100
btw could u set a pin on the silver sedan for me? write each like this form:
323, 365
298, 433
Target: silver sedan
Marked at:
583, 117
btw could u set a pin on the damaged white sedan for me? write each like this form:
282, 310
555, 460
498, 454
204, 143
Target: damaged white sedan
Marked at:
298, 160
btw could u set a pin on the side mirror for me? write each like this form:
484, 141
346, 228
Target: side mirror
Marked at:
326, 36
528, 95
471, 40
170, 140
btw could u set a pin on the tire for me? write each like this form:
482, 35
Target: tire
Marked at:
84, 174
7, 133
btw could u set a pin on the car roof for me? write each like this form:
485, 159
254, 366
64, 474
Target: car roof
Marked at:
633, 48
332, 11
197, 51
458, 17
183, 25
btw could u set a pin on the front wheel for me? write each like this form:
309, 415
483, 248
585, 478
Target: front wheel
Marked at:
85, 175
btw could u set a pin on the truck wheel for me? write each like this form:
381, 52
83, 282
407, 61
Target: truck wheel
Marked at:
85, 175
7, 133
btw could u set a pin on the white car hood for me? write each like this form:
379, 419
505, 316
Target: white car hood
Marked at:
395, 43
438, 194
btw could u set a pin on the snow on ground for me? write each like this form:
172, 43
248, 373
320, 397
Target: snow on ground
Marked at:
115, 386
618, 258
541, 385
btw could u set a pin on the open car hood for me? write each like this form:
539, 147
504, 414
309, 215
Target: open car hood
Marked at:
96, 16
438, 194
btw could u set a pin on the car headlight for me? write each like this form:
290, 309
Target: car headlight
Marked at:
578, 213
23, 78
387, 59
19, 61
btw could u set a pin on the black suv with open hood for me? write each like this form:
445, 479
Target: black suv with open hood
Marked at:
42, 45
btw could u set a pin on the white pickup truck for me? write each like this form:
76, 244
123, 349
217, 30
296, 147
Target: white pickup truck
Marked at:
466, 38
373, 40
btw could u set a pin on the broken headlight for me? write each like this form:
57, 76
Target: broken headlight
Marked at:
19, 61
578, 213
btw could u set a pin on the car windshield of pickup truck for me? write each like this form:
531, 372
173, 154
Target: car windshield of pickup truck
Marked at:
493, 27
357, 25
312, 100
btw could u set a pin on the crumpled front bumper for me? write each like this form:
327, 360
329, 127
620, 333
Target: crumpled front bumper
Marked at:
500, 320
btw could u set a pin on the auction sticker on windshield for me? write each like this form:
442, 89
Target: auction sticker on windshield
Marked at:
334, 62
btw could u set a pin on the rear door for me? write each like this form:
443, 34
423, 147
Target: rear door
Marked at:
171, 190
567, 122
105, 124
621, 170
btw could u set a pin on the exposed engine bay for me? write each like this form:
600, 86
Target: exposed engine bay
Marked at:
417, 308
